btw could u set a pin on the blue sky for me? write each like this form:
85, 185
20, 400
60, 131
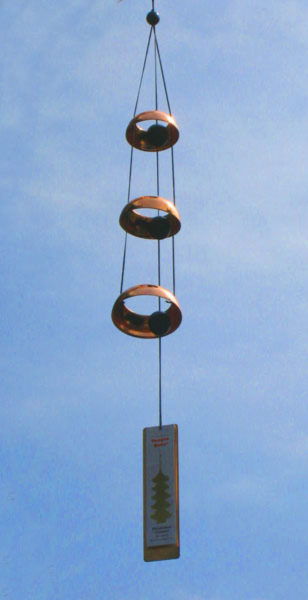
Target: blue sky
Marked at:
75, 392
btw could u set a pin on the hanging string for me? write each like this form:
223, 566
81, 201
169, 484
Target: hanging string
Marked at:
123, 263
131, 157
128, 197
172, 153
173, 241
143, 69
158, 241
158, 244
162, 71
157, 157
159, 384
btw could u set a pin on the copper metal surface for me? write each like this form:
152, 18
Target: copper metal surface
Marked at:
137, 325
137, 137
136, 224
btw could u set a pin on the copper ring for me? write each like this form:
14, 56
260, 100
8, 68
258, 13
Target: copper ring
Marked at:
137, 325
137, 224
137, 137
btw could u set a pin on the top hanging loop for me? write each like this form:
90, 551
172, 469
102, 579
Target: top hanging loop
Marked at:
153, 18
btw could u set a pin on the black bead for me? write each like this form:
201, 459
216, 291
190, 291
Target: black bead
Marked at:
157, 135
159, 227
159, 323
153, 18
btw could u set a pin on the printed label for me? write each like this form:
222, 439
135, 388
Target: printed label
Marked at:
160, 486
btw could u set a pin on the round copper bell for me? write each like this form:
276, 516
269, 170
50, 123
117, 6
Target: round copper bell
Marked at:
152, 228
158, 324
158, 137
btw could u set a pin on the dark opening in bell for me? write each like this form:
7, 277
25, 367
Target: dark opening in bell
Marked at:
159, 323
153, 18
159, 227
157, 135
135, 319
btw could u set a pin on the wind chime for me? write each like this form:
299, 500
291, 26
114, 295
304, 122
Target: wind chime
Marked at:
160, 443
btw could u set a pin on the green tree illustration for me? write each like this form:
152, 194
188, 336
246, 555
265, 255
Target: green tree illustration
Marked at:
160, 497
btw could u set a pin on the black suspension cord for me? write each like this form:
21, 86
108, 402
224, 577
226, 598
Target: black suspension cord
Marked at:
172, 154
173, 242
162, 72
143, 69
158, 244
131, 158
128, 196
159, 386
157, 159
